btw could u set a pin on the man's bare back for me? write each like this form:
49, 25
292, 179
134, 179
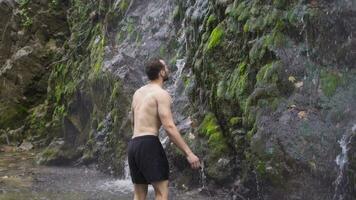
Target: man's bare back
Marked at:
145, 109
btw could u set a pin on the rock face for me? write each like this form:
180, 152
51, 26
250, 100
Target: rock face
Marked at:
32, 36
263, 91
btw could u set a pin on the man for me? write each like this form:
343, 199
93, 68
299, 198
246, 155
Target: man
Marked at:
151, 108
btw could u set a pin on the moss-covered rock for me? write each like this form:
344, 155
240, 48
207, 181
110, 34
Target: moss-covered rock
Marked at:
216, 140
215, 37
329, 82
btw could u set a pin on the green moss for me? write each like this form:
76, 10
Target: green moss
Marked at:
257, 51
235, 120
221, 89
138, 38
211, 20
246, 28
53, 4
124, 5
70, 87
115, 94
215, 37
261, 167
242, 11
11, 114
329, 82
130, 28
251, 133
186, 81
59, 112
279, 40
26, 20
162, 50
210, 129
271, 17
97, 55
280, 3
100, 125
274, 103
58, 92
238, 82
268, 73
50, 153
22, 2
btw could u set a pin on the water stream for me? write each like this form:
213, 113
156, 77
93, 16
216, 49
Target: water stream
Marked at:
342, 162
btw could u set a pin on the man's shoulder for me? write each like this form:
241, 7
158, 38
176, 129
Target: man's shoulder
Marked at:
138, 90
163, 94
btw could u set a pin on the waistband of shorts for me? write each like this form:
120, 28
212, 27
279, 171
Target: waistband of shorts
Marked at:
143, 137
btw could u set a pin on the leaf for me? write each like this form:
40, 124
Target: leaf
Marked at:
291, 79
302, 114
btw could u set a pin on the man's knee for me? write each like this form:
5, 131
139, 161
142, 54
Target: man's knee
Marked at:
140, 191
161, 189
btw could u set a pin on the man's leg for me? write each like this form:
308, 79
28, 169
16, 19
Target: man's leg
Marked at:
140, 191
161, 190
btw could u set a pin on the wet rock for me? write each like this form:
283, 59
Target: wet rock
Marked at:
221, 170
25, 146
58, 153
25, 58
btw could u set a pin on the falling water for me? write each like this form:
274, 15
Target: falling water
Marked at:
202, 176
180, 63
258, 186
342, 162
123, 185
126, 170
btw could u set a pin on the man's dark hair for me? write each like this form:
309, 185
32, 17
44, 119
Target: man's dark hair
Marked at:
153, 67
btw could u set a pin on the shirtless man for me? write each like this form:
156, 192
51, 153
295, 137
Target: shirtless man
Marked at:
151, 108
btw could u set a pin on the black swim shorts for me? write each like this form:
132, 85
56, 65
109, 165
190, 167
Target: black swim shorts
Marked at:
147, 160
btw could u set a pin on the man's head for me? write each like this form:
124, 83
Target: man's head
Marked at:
157, 68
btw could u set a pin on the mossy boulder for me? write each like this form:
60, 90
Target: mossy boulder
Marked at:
57, 153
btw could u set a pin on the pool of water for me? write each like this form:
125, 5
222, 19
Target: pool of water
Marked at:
22, 179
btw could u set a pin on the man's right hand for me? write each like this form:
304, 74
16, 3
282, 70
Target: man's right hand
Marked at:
193, 161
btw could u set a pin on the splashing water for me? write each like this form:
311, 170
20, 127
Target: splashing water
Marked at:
202, 176
123, 185
342, 161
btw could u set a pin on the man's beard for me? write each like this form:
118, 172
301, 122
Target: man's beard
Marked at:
165, 78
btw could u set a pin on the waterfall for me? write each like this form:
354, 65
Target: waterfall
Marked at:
127, 170
342, 162
258, 186
202, 176
123, 185
180, 63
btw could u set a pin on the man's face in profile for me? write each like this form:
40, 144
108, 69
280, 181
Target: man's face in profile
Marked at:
166, 71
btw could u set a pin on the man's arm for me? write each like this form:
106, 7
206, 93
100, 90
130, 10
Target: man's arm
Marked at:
132, 120
132, 117
165, 114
